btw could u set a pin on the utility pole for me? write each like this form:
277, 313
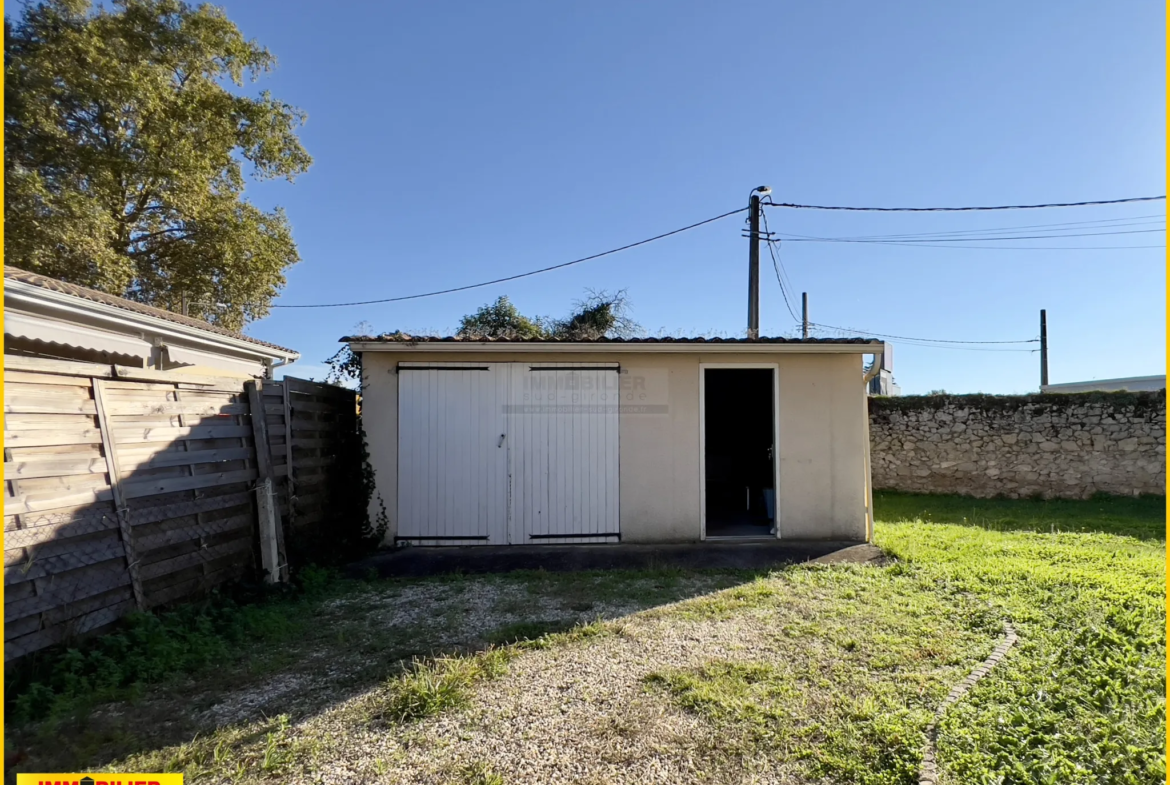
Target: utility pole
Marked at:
1043, 348
804, 315
183, 302
753, 330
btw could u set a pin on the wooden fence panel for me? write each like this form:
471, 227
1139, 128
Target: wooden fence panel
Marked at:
129, 488
313, 436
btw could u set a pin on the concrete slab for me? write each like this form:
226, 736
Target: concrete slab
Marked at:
750, 555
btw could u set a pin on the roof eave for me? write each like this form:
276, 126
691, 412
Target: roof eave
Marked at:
481, 347
68, 304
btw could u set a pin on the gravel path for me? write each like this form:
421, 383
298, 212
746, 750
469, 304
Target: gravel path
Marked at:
578, 713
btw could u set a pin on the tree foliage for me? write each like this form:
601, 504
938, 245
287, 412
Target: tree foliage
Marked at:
599, 315
126, 152
500, 319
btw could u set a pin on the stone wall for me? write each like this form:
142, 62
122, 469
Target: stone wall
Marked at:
1050, 445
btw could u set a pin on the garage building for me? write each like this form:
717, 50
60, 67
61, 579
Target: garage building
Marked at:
495, 442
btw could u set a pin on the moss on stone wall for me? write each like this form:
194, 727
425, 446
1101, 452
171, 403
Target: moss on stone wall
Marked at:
1140, 403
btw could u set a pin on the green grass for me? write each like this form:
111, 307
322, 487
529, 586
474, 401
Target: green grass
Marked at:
150, 649
859, 658
1082, 697
526, 631
438, 685
480, 774
1143, 517
852, 662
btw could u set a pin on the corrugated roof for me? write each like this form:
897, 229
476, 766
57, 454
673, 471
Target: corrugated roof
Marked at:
412, 339
93, 295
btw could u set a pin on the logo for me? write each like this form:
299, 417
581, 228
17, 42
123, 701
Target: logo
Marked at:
99, 779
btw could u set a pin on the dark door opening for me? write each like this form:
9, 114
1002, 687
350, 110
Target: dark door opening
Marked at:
739, 429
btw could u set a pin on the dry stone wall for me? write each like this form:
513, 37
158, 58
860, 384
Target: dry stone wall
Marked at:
1052, 445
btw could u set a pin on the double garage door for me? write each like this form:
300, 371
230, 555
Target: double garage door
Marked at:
507, 453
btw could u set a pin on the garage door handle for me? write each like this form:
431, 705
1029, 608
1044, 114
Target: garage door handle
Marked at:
501, 444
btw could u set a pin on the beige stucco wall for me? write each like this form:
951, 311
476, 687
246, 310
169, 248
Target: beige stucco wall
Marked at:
822, 435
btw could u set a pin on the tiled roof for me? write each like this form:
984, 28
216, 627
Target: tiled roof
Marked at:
412, 339
93, 295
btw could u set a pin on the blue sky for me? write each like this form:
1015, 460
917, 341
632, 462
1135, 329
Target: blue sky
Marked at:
459, 142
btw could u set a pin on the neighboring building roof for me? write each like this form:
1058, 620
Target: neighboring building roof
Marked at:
1129, 383
400, 341
14, 275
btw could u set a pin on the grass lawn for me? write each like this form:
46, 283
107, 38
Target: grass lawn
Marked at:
825, 674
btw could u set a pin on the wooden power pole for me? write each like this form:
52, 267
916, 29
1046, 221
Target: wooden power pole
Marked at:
753, 330
1043, 348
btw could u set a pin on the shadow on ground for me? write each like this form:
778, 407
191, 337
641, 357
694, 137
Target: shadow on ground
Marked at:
747, 555
312, 653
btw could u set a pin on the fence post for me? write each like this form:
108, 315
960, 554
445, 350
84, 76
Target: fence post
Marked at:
120, 508
268, 519
290, 480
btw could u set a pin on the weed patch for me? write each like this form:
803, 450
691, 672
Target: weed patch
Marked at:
526, 631
149, 649
429, 688
480, 774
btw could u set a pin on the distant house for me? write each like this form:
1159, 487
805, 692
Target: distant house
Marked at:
1130, 384
45, 317
882, 382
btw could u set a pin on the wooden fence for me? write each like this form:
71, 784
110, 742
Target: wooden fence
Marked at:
129, 489
312, 433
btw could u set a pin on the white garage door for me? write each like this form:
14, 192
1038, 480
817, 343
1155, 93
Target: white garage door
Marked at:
496, 453
452, 463
564, 453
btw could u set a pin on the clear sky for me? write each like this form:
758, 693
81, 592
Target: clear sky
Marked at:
462, 141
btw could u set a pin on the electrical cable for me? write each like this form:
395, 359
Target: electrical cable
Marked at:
924, 345
1016, 247
778, 266
518, 275
997, 230
908, 338
814, 239
964, 209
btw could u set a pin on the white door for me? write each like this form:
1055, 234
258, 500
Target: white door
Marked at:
452, 453
563, 436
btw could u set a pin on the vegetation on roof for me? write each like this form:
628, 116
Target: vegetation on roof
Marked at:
598, 315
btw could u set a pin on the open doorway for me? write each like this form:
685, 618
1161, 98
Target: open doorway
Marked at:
739, 471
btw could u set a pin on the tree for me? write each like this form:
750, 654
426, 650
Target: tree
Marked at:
599, 315
125, 155
500, 320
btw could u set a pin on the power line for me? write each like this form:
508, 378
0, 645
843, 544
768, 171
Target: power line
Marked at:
779, 268
1014, 247
776, 267
814, 239
518, 275
1132, 221
908, 338
922, 343
964, 209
